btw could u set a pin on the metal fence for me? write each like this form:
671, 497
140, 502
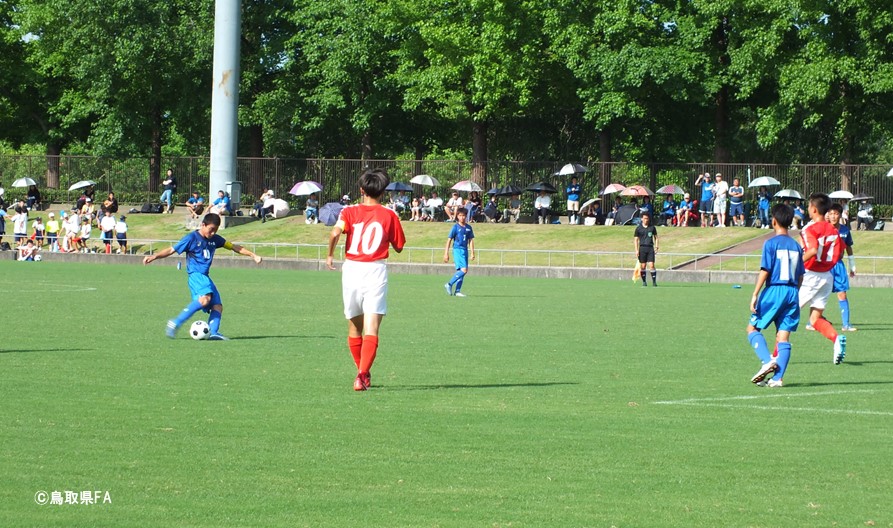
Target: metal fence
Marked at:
129, 177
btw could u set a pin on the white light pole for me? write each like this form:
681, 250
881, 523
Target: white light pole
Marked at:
225, 94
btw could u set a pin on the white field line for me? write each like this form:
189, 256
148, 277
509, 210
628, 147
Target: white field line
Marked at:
718, 402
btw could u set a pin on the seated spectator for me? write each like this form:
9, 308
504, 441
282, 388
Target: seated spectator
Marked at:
345, 200
513, 211
33, 198
452, 206
415, 207
647, 206
195, 205
311, 211
88, 211
402, 202
491, 210
864, 215
27, 251
83, 237
110, 204
799, 215
432, 207
473, 205
668, 211
618, 202
221, 204
683, 211
594, 215
542, 206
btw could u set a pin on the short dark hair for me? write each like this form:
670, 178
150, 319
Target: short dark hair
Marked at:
646, 214
211, 219
836, 207
783, 215
461, 211
373, 182
821, 202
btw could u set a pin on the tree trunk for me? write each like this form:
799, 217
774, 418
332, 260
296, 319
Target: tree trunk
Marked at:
847, 137
53, 151
366, 145
256, 183
722, 151
604, 156
479, 153
419, 166
155, 158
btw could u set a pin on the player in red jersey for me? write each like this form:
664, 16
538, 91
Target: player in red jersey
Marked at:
370, 228
822, 249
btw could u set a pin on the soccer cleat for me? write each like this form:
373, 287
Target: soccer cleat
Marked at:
171, 330
217, 337
810, 327
765, 371
358, 383
772, 384
839, 349
448, 289
654, 284
460, 294
367, 379
849, 328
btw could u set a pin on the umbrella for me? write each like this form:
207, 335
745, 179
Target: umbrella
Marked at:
570, 169
636, 190
424, 179
763, 181
890, 173
862, 196
466, 186
280, 207
788, 193
305, 188
846, 195
614, 187
587, 204
399, 186
509, 190
541, 186
493, 192
328, 214
24, 182
81, 184
670, 189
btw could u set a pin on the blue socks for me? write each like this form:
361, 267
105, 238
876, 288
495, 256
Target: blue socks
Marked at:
845, 312
214, 321
784, 356
758, 342
457, 280
187, 312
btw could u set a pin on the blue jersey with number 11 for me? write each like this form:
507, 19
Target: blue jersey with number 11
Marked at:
783, 259
199, 251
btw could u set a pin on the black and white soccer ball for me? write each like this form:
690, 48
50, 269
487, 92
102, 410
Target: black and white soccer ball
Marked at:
199, 330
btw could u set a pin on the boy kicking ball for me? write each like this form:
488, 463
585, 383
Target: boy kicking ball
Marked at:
199, 247
462, 239
370, 228
776, 299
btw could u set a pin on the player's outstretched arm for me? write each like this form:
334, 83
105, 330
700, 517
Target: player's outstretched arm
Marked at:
247, 253
164, 253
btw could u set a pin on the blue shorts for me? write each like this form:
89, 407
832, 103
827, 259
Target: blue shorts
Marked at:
460, 257
779, 305
841, 279
736, 209
201, 284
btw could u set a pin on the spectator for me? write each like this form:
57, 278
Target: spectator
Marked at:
415, 208
110, 204
513, 211
170, 187
799, 215
311, 211
39, 231
88, 211
474, 205
573, 201
107, 226
2, 222
433, 206
452, 207
20, 224
668, 209
27, 251
221, 204
402, 201
71, 223
121, 233
865, 215
33, 198
260, 209
763, 203
720, 200
52, 232
2, 192
541, 205
736, 203
706, 205
683, 212
84, 236
845, 213
491, 210
618, 203
647, 206
345, 200
594, 214
195, 205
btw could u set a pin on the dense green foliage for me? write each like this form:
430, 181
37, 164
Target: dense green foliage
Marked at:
783, 81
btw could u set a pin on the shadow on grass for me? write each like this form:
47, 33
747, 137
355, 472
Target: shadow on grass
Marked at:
48, 350
256, 337
446, 386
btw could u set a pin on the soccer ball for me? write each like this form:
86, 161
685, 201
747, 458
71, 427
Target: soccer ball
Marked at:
38, 258
199, 330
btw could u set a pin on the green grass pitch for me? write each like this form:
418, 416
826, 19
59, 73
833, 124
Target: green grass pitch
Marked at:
529, 403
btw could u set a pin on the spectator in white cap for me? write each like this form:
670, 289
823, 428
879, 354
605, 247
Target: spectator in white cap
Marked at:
121, 232
683, 211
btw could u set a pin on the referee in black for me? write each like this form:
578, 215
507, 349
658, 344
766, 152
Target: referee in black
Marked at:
646, 246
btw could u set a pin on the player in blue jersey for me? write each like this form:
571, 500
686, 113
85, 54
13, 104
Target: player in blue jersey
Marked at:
781, 273
199, 247
462, 239
839, 271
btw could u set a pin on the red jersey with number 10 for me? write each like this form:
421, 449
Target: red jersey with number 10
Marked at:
826, 239
370, 229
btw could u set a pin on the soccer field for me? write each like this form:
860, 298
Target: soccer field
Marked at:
529, 403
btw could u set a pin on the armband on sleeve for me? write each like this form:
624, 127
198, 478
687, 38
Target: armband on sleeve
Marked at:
228, 245
852, 260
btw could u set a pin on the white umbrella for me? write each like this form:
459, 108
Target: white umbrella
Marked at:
587, 204
24, 182
424, 179
836, 195
763, 181
788, 193
305, 188
614, 187
280, 207
890, 173
571, 169
81, 184
466, 186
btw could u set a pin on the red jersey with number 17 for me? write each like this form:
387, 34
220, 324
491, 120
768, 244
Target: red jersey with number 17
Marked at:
370, 229
826, 239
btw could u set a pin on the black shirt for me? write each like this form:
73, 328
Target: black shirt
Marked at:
646, 235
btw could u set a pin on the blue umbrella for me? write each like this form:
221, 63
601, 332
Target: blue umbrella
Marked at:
328, 214
399, 186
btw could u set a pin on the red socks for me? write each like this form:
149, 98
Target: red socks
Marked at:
355, 344
825, 328
367, 354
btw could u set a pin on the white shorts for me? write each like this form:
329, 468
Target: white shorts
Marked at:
573, 205
816, 289
364, 287
719, 206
